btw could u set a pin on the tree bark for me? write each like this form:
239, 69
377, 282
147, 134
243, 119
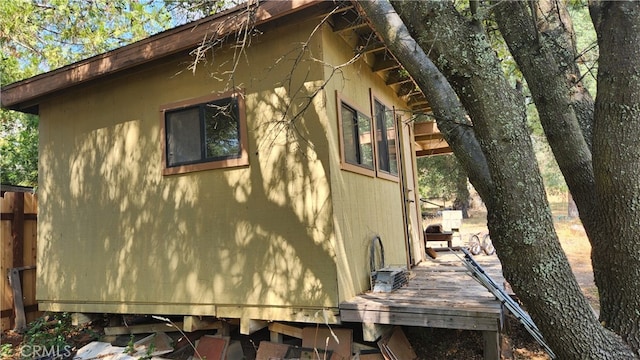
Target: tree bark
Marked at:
616, 156
519, 218
463, 197
545, 59
450, 116
547, 62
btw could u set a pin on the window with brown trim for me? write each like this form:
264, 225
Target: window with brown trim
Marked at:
356, 140
386, 144
204, 133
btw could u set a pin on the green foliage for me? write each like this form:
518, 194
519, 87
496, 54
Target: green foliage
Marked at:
437, 177
18, 148
184, 11
586, 44
6, 351
148, 354
551, 175
40, 36
48, 34
129, 349
49, 331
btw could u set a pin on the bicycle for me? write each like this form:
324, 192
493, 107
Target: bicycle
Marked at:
476, 245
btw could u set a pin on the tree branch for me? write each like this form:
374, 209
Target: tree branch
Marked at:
551, 74
446, 106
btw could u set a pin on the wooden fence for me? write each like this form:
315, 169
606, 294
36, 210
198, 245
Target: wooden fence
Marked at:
18, 234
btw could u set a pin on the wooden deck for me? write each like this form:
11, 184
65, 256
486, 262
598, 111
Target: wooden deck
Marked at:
440, 293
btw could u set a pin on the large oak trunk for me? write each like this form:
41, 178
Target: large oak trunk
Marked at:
519, 218
616, 163
546, 57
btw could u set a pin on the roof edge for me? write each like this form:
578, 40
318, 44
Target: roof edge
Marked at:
24, 95
16, 188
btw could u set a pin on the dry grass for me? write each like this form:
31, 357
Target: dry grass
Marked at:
450, 344
572, 237
576, 246
578, 251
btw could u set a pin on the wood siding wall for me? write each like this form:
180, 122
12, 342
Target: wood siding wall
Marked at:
278, 239
18, 233
364, 206
253, 242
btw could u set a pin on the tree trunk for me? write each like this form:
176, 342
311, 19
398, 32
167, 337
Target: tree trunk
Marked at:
519, 218
546, 59
451, 117
616, 162
463, 197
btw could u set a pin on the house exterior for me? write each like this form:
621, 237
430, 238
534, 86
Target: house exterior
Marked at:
249, 186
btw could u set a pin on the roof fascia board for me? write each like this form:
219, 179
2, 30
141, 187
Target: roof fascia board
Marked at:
23, 94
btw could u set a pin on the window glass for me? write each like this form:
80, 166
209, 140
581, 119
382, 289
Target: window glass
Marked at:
349, 135
393, 146
366, 142
222, 133
356, 131
386, 139
208, 132
182, 127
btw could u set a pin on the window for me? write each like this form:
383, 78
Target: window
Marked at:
386, 147
357, 145
368, 147
204, 133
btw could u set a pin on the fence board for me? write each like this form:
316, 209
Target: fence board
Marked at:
6, 262
18, 241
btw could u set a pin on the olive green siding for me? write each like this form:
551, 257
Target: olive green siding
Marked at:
277, 239
364, 206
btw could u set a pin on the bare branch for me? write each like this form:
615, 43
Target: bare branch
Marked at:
287, 122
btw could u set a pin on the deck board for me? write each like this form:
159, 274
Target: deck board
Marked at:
440, 293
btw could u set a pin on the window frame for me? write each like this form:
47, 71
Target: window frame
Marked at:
241, 160
344, 164
379, 172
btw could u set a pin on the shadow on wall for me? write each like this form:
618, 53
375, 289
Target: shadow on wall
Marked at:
115, 231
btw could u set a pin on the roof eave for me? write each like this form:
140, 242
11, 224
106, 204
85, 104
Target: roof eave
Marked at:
25, 95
